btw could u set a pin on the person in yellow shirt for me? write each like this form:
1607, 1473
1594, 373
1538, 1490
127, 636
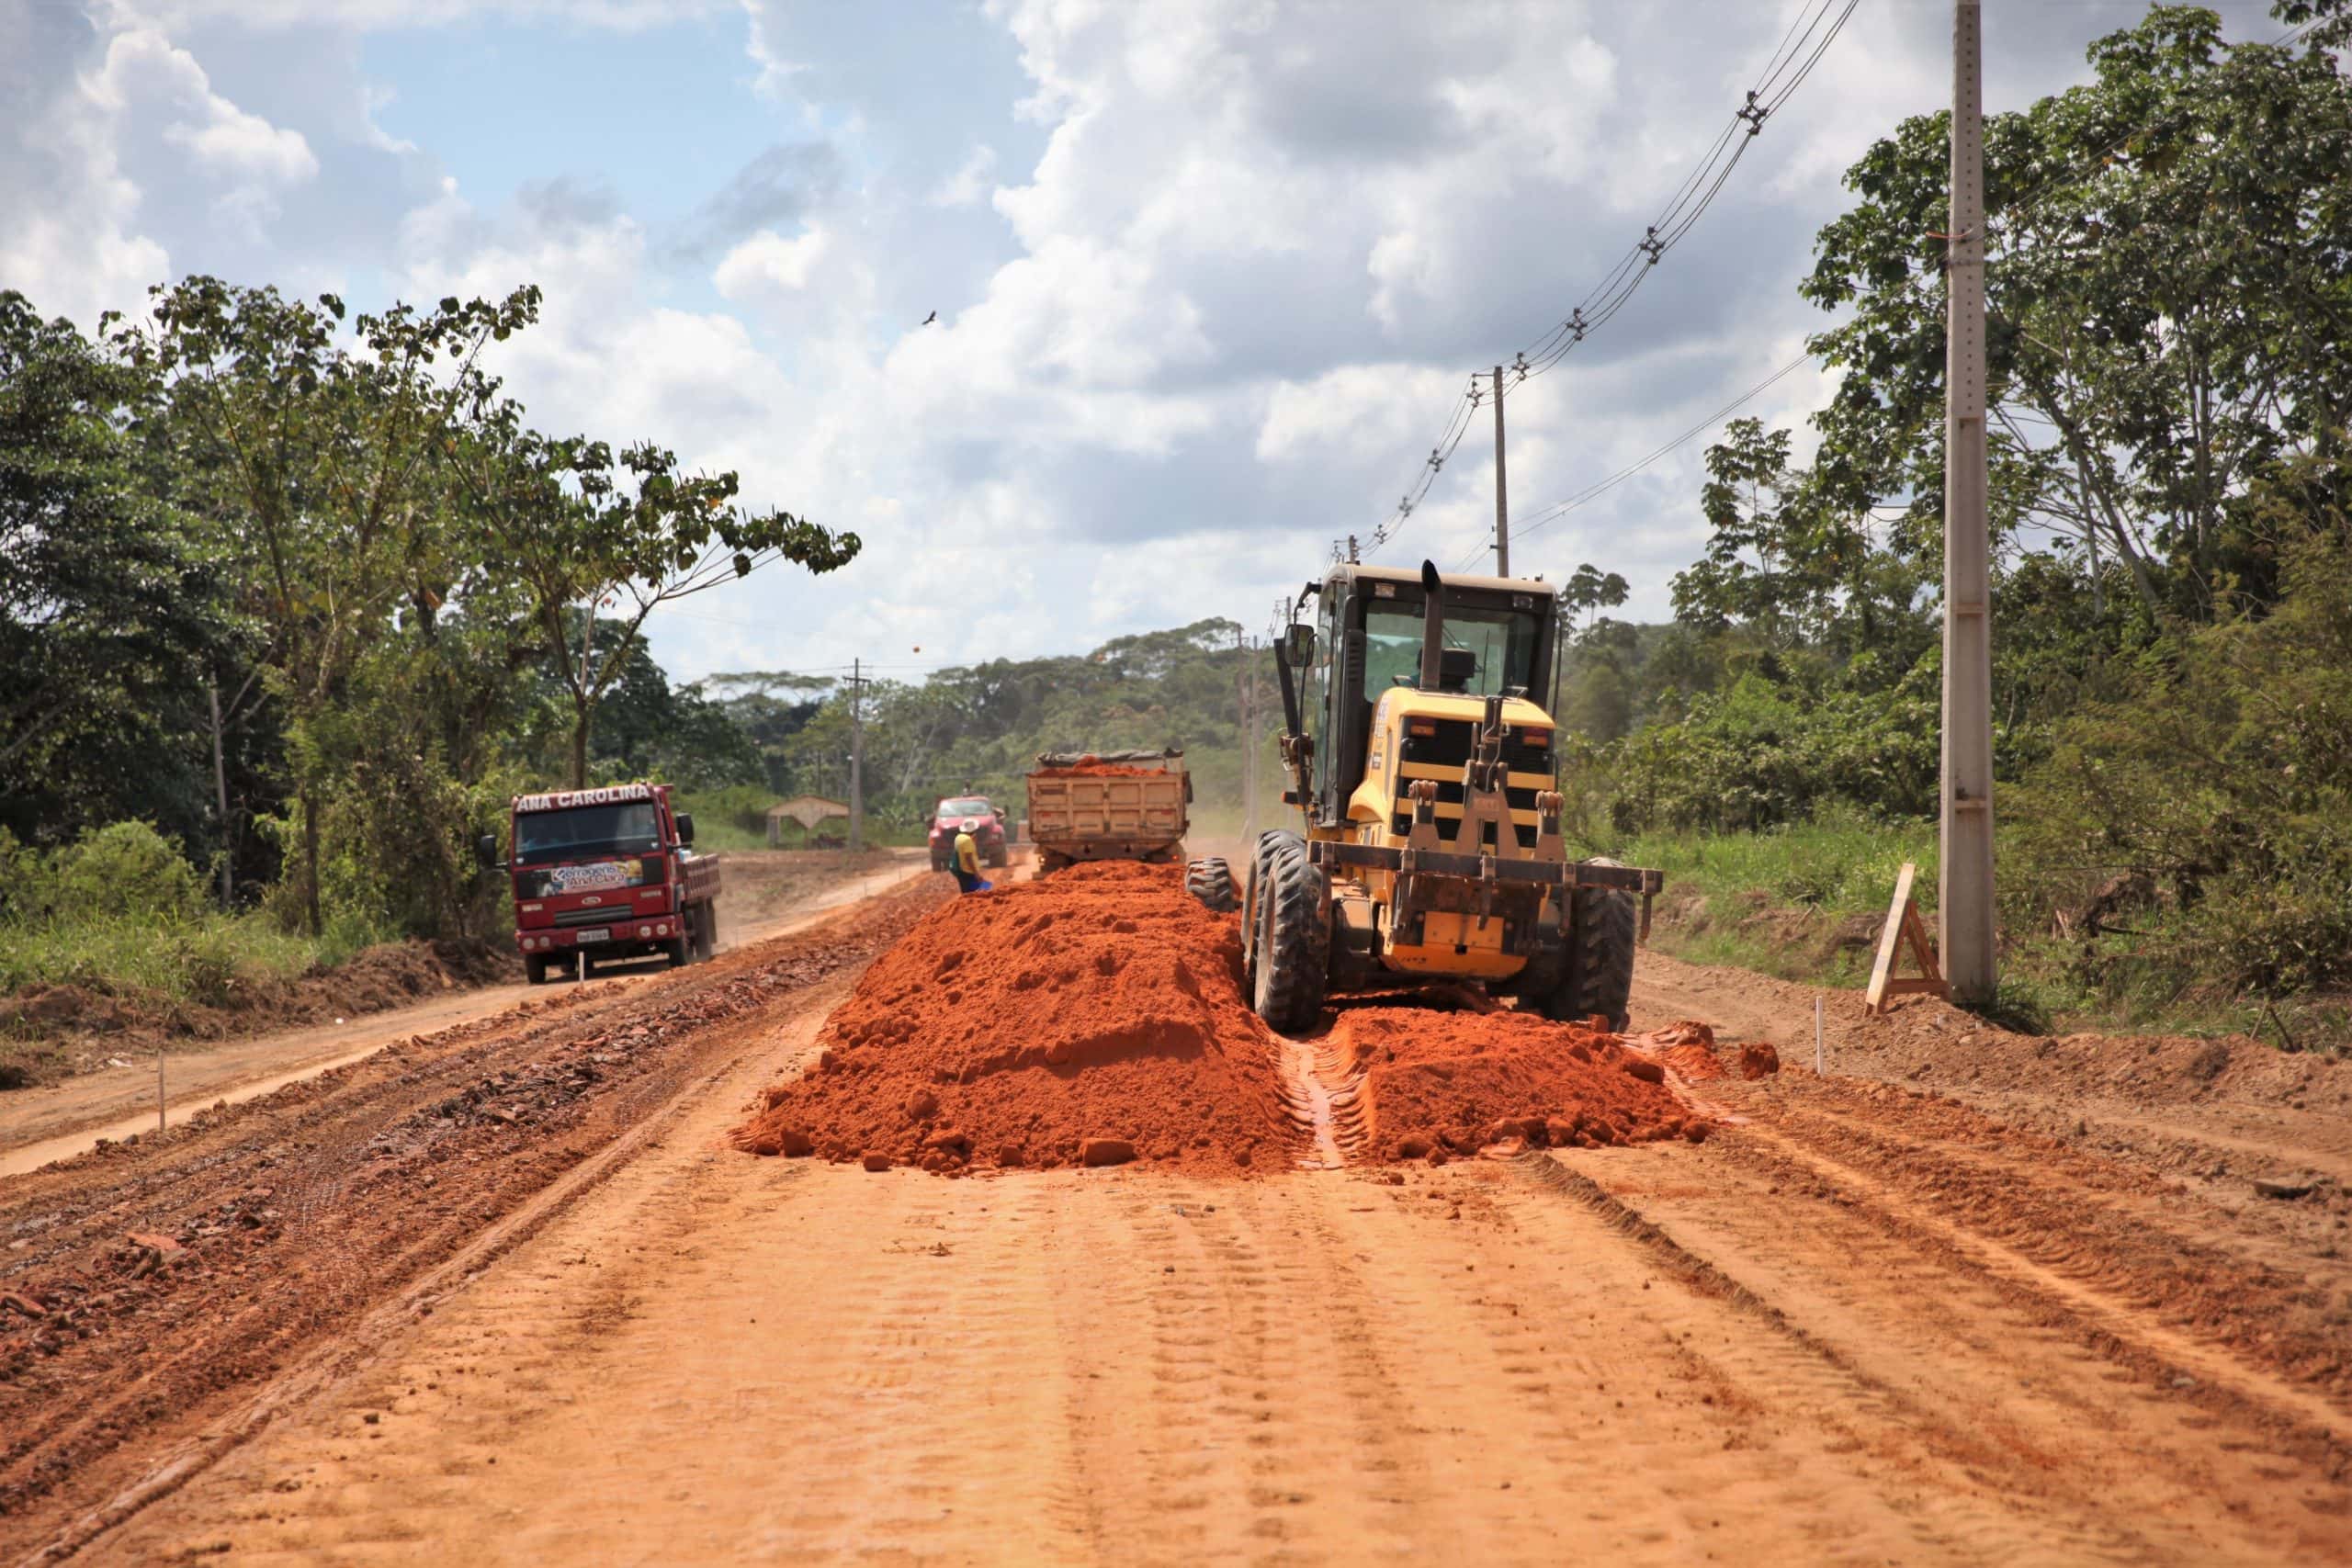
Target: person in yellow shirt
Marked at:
966, 864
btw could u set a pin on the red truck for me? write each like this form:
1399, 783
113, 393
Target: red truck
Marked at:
988, 837
606, 874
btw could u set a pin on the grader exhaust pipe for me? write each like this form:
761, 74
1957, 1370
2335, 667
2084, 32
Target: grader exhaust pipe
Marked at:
1433, 628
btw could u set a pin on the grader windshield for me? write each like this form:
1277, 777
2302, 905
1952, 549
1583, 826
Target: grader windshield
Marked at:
1501, 645
1498, 637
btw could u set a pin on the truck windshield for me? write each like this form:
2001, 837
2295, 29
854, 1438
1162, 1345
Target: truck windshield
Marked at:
974, 808
628, 827
1502, 641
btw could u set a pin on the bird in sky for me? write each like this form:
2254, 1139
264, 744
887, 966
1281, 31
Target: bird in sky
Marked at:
932, 317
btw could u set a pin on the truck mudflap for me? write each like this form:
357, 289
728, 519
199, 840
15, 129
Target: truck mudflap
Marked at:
1492, 870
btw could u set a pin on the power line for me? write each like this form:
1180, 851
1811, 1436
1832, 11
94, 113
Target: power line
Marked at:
2009, 213
1800, 49
1544, 519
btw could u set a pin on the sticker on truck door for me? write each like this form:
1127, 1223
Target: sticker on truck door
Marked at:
595, 875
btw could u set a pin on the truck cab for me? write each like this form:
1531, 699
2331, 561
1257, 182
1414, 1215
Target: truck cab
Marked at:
605, 875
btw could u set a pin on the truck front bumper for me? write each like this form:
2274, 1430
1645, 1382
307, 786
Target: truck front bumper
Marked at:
620, 938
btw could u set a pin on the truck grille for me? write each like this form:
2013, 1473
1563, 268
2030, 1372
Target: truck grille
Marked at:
606, 916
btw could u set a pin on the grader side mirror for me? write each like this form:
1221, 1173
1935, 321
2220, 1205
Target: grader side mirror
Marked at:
1298, 645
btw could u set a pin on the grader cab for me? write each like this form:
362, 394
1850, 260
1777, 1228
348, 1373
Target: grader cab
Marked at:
1431, 848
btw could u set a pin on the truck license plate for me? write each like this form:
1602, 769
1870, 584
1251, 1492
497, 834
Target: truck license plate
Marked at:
602, 933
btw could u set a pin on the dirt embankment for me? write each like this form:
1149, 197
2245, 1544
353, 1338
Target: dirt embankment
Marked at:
52, 1031
55, 1032
1093, 1018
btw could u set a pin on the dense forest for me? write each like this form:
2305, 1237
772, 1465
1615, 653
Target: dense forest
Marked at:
309, 602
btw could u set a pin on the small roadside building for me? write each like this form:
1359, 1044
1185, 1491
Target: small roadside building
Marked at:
810, 811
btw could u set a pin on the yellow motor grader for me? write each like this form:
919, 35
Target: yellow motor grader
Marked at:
1432, 849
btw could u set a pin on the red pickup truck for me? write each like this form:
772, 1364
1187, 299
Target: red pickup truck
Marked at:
606, 874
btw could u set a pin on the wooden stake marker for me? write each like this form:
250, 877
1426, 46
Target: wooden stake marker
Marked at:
1903, 927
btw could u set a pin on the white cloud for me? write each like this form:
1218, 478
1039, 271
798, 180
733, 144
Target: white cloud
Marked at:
145, 71
971, 182
1207, 291
369, 15
767, 261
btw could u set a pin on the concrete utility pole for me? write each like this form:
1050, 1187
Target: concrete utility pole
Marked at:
1502, 488
856, 756
1964, 883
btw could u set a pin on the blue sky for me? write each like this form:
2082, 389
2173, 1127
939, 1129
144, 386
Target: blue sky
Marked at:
1209, 273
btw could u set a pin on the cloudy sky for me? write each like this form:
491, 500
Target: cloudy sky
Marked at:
1209, 274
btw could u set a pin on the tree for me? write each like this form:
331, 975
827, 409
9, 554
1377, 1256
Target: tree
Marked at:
1588, 591
2170, 300
576, 530
317, 470
770, 706
109, 608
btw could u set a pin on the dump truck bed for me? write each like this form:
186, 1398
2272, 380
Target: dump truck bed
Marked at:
1119, 805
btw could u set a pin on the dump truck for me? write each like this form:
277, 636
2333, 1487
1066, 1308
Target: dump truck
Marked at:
1429, 848
602, 874
1108, 806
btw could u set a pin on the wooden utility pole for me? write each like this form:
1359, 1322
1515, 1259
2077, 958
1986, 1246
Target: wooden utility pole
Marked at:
856, 755
1502, 487
1964, 884
220, 796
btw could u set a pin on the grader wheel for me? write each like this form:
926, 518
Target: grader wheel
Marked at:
1600, 979
1211, 881
1292, 953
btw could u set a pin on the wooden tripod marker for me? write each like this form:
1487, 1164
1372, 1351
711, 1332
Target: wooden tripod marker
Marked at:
1904, 927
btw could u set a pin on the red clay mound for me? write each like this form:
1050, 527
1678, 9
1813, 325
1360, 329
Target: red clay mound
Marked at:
1427, 1085
1687, 1047
1087, 1019
1098, 771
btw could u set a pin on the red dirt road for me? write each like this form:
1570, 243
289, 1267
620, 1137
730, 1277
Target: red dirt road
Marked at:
1865, 1321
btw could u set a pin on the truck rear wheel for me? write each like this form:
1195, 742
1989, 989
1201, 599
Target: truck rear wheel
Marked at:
1211, 881
1599, 980
706, 932
1292, 951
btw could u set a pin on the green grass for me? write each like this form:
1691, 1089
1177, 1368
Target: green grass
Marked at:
1839, 866
191, 960
1773, 902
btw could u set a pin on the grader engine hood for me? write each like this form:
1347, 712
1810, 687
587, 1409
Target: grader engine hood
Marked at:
1432, 738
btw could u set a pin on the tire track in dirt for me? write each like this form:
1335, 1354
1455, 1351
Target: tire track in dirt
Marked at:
1986, 1377
340, 1192
2097, 1239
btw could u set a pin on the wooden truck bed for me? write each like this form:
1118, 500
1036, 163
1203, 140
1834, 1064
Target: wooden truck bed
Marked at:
1100, 812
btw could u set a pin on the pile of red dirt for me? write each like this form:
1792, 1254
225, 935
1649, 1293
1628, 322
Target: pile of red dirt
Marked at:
1090, 1017
1424, 1084
1687, 1047
1093, 770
